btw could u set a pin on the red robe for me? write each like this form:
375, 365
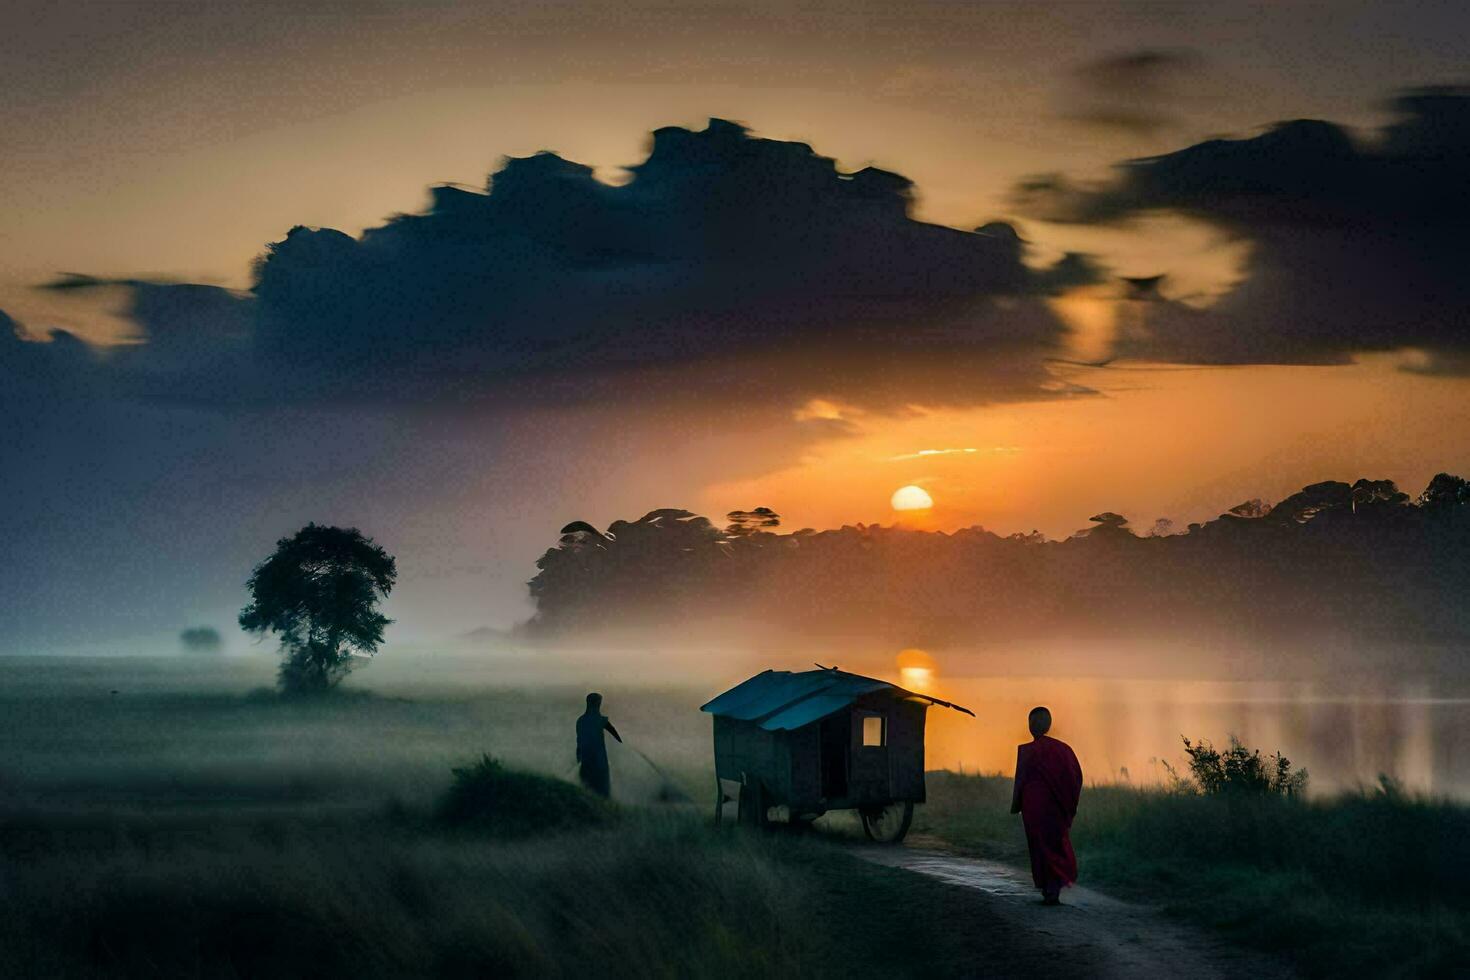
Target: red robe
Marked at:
1048, 784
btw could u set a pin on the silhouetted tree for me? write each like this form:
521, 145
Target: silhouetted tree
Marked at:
1107, 526
1251, 509
1312, 500
1445, 491
743, 522
581, 527
1163, 527
1377, 492
319, 593
200, 639
659, 558
1319, 563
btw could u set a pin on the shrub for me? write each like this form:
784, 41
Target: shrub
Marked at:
492, 797
1242, 770
201, 639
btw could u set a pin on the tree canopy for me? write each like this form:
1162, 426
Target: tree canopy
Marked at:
744, 522
319, 593
1338, 563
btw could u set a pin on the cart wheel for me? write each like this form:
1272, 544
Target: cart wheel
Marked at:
889, 823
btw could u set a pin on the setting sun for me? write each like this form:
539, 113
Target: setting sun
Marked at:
915, 669
911, 498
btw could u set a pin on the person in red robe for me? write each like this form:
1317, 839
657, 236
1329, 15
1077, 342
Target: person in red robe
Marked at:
1048, 786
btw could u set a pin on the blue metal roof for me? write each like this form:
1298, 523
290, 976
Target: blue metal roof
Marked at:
779, 700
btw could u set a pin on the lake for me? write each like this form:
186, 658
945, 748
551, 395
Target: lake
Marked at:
64, 733
1121, 728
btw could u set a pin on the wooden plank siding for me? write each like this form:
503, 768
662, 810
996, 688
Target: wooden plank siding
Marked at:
788, 764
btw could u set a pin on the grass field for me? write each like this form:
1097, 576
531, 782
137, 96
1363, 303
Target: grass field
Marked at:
190, 826
1369, 884
212, 734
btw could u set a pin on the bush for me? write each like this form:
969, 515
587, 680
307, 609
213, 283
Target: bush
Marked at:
201, 639
1242, 770
491, 797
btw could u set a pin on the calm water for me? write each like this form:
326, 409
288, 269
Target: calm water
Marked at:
1121, 729
59, 716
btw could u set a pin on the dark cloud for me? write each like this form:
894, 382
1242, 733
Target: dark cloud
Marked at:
171, 313
1357, 244
725, 260
550, 336
1136, 92
39, 363
193, 342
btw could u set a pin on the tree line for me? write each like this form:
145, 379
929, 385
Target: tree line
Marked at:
1361, 560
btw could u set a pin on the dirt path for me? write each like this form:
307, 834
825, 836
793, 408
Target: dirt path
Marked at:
1120, 939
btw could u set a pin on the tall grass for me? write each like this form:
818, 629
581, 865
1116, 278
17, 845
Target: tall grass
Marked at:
656, 897
170, 830
1371, 883
654, 894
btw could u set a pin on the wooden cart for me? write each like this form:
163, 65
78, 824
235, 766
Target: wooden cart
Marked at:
790, 747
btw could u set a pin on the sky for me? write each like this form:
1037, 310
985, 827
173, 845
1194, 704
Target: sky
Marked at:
757, 312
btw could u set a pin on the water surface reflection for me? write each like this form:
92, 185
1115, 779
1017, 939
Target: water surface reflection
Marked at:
1121, 729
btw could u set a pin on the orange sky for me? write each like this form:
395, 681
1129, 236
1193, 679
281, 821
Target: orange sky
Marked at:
159, 140
1183, 443
177, 140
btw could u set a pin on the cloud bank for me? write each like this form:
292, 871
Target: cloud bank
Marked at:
1358, 243
725, 261
452, 378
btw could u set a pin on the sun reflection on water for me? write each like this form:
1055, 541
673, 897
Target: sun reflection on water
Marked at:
1123, 729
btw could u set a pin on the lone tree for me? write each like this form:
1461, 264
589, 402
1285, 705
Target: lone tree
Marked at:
319, 592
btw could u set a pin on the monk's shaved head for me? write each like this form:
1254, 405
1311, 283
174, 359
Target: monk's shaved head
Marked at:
1039, 720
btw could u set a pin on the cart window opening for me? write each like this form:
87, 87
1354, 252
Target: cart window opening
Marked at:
873, 733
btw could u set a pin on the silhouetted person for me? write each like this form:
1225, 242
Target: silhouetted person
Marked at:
591, 749
1048, 785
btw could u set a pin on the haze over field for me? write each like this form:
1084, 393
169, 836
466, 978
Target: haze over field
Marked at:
636, 489
1025, 352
